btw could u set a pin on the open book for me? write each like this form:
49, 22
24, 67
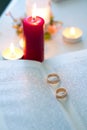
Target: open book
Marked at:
28, 102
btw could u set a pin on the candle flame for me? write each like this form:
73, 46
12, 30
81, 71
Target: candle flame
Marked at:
12, 48
72, 31
34, 11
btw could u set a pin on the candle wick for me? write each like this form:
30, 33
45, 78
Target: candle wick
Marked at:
33, 19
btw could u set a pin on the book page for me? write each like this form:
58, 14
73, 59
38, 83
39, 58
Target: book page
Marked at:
72, 70
26, 102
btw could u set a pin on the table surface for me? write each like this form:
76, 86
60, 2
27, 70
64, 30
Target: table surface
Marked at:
71, 13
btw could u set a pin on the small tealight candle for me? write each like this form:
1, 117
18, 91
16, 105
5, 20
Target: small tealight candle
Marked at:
12, 53
72, 34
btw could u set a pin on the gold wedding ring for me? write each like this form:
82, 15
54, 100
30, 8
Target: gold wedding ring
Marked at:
53, 78
61, 93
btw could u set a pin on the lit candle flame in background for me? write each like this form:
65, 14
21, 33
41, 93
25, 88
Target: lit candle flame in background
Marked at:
34, 11
72, 31
12, 49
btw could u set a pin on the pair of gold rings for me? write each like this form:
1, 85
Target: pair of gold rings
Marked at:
54, 79
61, 93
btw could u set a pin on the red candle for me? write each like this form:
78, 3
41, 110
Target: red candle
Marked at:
34, 38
